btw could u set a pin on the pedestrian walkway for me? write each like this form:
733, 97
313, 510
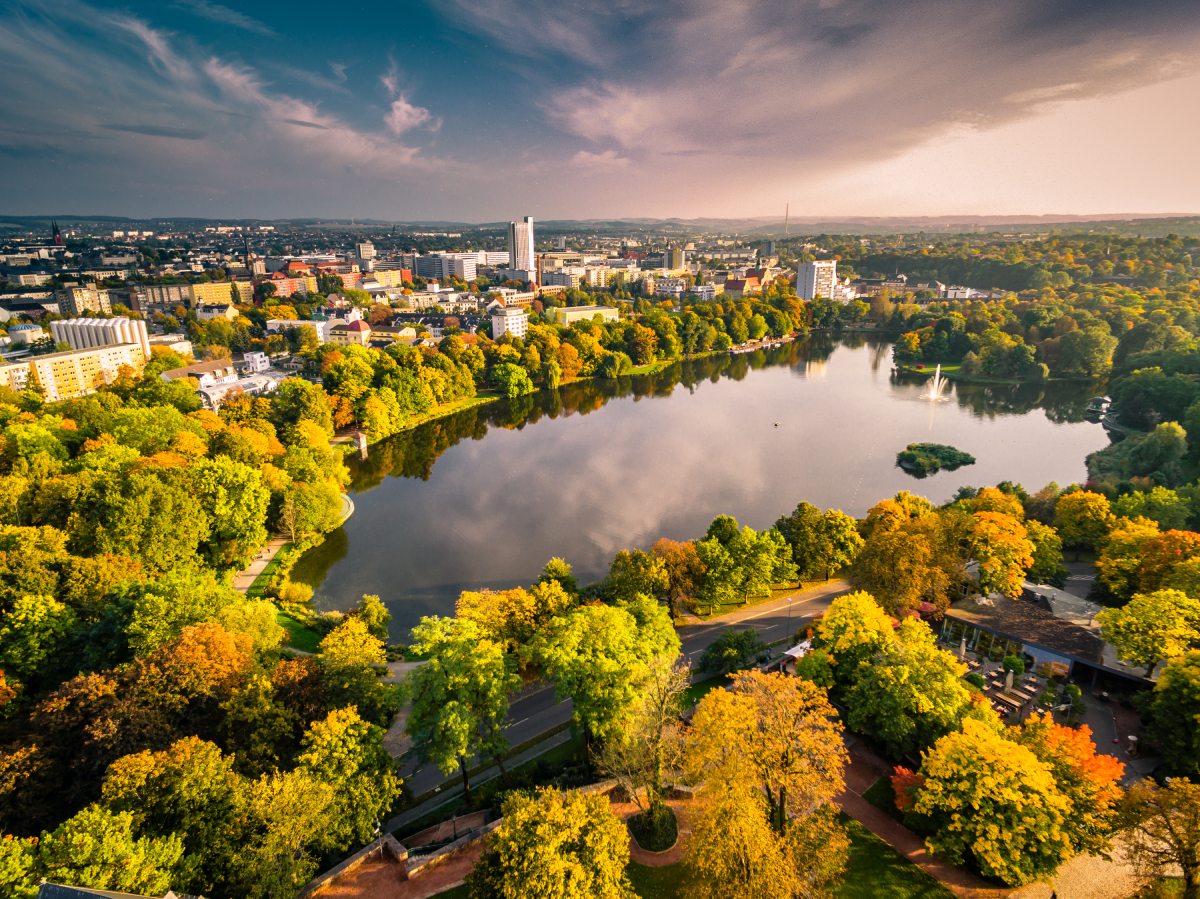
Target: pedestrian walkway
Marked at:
245, 579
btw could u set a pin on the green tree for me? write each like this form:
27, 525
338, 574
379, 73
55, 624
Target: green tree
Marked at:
100, 849
374, 614
1152, 627
559, 570
554, 845
460, 695
1173, 712
347, 753
732, 651
821, 542
235, 499
911, 693
633, 573
1163, 506
853, 629
1048, 567
32, 633
597, 656
511, 380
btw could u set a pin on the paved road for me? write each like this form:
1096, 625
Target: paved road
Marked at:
539, 711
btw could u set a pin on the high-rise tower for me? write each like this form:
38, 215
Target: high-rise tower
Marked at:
520, 245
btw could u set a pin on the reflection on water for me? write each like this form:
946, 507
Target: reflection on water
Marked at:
483, 498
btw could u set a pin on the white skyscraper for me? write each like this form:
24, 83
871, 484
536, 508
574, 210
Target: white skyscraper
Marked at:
520, 245
817, 279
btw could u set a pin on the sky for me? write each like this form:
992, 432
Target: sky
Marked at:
486, 110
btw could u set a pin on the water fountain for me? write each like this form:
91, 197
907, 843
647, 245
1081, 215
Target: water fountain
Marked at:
936, 387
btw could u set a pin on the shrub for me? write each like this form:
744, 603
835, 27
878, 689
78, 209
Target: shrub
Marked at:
1014, 664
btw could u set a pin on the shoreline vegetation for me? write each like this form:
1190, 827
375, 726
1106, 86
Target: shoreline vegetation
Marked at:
953, 371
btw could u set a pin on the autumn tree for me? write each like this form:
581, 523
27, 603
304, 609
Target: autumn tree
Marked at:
1048, 567
909, 560
685, 571
1163, 830
1121, 555
852, 630
1090, 780
993, 804
634, 572
460, 696
1000, 546
554, 845
769, 756
1152, 627
775, 733
1082, 519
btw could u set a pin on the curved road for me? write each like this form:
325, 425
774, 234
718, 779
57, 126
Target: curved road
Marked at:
539, 711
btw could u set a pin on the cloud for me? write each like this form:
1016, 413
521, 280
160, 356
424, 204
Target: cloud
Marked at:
806, 86
91, 85
604, 161
158, 131
403, 116
215, 12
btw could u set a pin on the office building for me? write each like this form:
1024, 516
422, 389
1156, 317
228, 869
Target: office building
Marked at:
443, 266
88, 333
365, 250
509, 320
673, 258
520, 245
817, 279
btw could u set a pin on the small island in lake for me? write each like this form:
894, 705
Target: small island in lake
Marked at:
923, 459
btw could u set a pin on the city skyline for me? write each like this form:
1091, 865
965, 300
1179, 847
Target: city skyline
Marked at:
444, 110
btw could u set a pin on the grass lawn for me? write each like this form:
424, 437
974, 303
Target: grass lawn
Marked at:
875, 869
695, 692
459, 892
656, 883
706, 612
881, 795
299, 635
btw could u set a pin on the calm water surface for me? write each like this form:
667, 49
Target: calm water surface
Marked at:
485, 497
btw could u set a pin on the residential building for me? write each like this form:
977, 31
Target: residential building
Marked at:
14, 375
78, 300
64, 376
669, 288
741, 287
355, 333
509, 320
255, 361
365, 250
817, 279
568, 315
521, 246
704, 292
254, 385
163, 294
86, 333
221, 292
283, 325
216, 310
673, 258
206, 374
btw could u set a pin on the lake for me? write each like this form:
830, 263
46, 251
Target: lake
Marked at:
483, 498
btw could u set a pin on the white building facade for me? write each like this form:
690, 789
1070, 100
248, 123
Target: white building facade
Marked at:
817, 279
520, 245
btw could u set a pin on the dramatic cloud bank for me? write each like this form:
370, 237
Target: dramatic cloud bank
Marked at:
485, 108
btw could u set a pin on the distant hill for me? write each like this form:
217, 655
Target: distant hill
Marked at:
1144, 224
